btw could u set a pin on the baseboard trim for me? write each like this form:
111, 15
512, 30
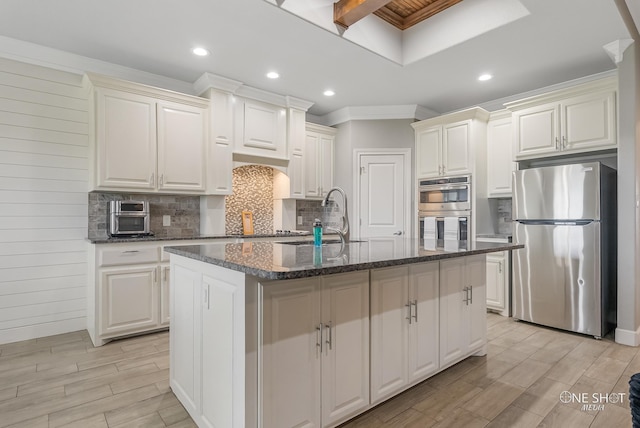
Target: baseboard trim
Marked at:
19, 334
627, 337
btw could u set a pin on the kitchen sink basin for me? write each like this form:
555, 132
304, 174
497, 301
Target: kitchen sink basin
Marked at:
324, 242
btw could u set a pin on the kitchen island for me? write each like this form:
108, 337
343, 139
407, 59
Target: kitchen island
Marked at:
279, 334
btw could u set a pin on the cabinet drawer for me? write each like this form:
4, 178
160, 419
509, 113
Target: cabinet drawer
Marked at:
128, 256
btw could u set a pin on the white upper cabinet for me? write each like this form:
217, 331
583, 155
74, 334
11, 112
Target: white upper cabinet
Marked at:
574, 120
446, 145
181, 146
261, 129
500, 165
125, 127
318, 173
146, 139
220, 153
296, 137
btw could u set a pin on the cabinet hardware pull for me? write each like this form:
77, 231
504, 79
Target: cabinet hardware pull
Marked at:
319, 337
153, 182
161, 179
330, 341
499, 267
130, 251
471, 294
564, 142
557, 143
415, 305
466, 295
206, 296
408, 305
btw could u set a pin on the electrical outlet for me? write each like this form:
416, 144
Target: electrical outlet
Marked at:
166, 220
299, 220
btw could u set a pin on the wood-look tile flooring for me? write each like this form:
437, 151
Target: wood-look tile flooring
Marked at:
518, 384
63, 381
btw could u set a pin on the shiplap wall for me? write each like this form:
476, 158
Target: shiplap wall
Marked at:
43, 201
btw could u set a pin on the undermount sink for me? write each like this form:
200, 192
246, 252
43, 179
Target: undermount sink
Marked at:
324, 242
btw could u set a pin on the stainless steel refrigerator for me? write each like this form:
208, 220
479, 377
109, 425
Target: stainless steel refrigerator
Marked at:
565, 277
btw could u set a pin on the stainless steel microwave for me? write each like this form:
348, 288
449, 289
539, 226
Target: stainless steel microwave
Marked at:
445, 194
128, 218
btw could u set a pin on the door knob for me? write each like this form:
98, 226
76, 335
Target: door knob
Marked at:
398, 233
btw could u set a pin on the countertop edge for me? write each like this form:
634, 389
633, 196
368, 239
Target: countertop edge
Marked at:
281, 275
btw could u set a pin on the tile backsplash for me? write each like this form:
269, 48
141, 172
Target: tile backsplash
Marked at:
252, 191
310, 210
504, 216
184, 212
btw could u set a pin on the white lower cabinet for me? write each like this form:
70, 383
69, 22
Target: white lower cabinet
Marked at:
404, 327
315, 350
462, 308
129, 299
165, 281
497, 282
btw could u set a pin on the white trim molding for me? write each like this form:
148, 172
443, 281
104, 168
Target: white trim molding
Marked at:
627, 337
616, 49
346, 114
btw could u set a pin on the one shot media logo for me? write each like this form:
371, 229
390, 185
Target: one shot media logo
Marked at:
592, 401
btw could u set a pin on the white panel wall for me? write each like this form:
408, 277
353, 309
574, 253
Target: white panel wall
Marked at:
43, 201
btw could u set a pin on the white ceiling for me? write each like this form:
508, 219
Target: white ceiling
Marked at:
558, 41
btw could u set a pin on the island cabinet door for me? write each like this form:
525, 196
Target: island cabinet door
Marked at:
462, 308
424, 281
453, 312
292, 336
345, 352
390, 317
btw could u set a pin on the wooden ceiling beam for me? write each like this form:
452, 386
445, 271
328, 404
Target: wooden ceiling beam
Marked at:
348, 12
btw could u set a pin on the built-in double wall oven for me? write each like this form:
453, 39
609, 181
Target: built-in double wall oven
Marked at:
445, 197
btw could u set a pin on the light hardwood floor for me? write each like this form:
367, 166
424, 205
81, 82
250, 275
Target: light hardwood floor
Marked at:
62, 381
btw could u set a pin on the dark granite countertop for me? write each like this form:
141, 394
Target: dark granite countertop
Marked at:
276, 260
120, 240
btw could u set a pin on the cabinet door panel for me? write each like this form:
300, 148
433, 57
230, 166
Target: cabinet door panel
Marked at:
389, 331
165, 303
428, 154
500, 163
423, 332
291, 359
345, 362
181, 139
537, 130
326, 167
297, 174
219, 172
477, 318
589, 122
312, 172
125, 140
453, 320
495, 282
455, 149
129, 300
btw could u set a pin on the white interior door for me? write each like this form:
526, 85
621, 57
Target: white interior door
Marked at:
383, 194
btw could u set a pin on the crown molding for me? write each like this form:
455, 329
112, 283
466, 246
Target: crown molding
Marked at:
346, 114
43, 56
213, 81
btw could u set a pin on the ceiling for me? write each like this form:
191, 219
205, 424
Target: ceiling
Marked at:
403, 14
555, 42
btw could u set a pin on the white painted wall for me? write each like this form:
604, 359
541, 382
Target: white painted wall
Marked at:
43, 201
368, 134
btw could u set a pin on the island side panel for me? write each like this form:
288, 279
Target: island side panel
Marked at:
207, 350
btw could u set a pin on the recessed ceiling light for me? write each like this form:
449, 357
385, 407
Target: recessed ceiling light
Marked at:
484, 77
273, 75
200, 51
329, 93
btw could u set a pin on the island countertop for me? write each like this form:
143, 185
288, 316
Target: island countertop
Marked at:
289, 260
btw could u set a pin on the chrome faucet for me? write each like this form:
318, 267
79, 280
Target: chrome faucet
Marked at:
344, 231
